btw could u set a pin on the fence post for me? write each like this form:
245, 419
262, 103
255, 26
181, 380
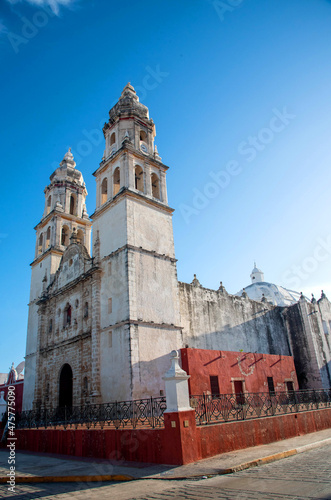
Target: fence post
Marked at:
152, 413
182, 438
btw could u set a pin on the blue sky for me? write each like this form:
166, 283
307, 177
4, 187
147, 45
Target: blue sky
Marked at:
240, 94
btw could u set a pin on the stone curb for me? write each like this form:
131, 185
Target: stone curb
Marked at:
123, 477
67, 479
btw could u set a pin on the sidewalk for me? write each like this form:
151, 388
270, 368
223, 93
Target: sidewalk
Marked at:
39, 467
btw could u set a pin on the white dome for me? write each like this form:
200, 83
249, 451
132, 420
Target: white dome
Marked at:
275, 294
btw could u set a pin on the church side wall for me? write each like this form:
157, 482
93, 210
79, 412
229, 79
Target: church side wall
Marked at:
303, 348
114, 303
215, 320
324, 307
153, 288
115, 370
37, 275
151, 347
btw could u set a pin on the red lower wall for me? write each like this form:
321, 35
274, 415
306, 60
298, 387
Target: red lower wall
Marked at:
132, 445
222, 438
180, 442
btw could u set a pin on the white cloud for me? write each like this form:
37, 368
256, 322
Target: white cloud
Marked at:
53, 4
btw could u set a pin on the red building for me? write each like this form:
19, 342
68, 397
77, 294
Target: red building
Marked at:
228, 372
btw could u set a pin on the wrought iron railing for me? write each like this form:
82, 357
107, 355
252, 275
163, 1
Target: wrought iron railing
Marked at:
230, 407
140, 413
148, 413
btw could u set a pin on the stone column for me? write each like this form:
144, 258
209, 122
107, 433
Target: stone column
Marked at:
164, 196
95, 337
148, 179
130, 170
98, 202
38, 380
124, 171
109, 183
57, 237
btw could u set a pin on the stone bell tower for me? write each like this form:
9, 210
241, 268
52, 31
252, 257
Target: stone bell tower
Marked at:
140, 320
64, 213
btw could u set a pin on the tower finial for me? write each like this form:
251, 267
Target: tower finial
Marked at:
128, 90
68, 159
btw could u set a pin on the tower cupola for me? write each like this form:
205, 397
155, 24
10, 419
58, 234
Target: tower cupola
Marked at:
257, 276
131, 161
64, 211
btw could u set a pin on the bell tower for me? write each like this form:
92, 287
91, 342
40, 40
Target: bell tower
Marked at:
64, 214
132, 225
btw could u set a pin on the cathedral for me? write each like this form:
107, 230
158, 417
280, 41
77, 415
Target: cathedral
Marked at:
103, 318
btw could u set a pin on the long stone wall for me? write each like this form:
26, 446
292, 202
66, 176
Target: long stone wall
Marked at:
216, 320
308, 326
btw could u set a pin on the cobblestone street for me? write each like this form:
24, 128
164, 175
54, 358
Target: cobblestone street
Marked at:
301, 477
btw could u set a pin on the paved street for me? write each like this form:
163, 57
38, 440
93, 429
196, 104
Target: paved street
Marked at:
301, 477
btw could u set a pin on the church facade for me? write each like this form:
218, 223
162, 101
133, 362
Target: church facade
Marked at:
103, 320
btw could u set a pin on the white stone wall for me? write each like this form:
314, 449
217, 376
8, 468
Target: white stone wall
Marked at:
216, 320
114, 286
150, 227
150, 347
115, 369
112, 227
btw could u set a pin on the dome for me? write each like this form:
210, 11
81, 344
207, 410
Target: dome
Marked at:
128, 105
277, 295
67, 171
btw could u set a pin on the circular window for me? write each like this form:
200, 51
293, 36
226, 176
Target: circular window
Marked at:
143, 147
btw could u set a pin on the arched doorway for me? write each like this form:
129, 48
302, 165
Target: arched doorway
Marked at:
65, 392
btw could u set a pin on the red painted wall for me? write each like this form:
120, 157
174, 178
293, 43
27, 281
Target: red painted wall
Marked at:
252, 368
222, 438
177, 444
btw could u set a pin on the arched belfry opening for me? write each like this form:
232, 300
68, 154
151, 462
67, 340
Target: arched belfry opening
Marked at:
139, 178
155, 186
65, 386
116, 181
104, 190
72, 207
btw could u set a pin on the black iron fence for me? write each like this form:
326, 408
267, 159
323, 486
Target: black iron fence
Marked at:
148, 413
139, 413
231, 407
